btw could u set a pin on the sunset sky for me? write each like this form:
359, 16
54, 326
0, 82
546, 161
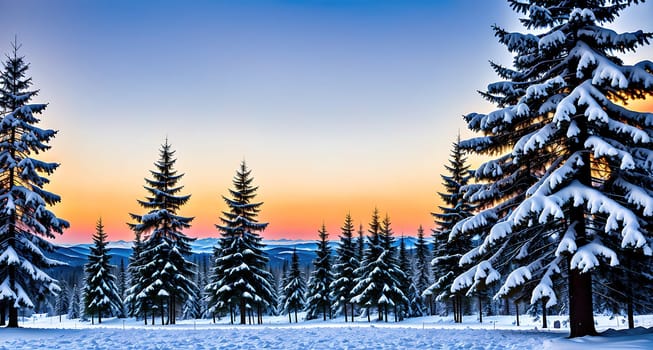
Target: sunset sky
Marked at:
335, 105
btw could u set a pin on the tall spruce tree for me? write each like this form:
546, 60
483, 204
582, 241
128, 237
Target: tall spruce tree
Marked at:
240, 279
344, 276
561, 119
366, 292
406, 278
391, 275
100, 292
447, 252
294, 289
421, 279
63, 300
318, 294
164, 275
25, 222
121, 284
74, 308
135, 306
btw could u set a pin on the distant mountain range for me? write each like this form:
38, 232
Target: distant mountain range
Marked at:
277, 250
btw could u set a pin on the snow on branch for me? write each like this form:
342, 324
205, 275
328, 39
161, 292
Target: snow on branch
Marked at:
586, 256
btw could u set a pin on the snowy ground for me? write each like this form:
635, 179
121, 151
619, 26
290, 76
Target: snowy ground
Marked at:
420, 333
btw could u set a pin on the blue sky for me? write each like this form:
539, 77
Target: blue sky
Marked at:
336, 105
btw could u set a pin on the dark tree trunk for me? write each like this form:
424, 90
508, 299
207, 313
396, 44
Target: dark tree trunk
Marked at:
629, 290
243, 312
295, 315
324, 312
517, 312
345, 306
92, 319
13, 317
631, 318
506, 305
162, 311
544, 311
213, 316
368, 316
99, 316
460, 308
145, 313
3, 316
480, 308
581, 311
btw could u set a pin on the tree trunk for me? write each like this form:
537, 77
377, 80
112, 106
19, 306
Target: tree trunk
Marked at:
162, 312
13, 317
506, 305
629, 290
517, 312
368, 316
480, 308
145, 313
581, 311
345, 307
243, 312
92, 319
3, 310
631, 318
324, 312
295, 315
99, 317
544, 322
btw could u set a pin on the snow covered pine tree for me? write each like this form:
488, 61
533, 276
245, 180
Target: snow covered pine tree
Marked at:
561, 122
100, 291
25, 223
240, 278
346, 263
164, 276
447, 252
318, 294
294, 289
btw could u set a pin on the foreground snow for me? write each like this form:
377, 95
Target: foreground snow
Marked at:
419, 333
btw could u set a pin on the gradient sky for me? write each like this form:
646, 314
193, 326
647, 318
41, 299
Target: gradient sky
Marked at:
337, 106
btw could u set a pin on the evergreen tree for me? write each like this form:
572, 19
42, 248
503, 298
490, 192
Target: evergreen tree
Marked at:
100, 291
344, 276
74, 310
63, 300
193, 307
135, 306
121, 285
446, 252
561, 120
164, 274
25, 222
294, 288
366, 292
318, 296
405, 278
378, 283
240, 279
421, 274
390, 276
360, 245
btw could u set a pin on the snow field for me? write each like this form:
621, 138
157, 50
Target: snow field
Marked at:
497, 332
